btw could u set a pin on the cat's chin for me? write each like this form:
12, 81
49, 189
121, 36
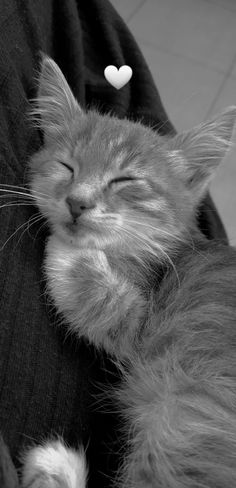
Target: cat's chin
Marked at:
81, 236
75, 236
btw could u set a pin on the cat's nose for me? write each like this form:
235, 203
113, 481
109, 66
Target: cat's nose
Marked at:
77, 206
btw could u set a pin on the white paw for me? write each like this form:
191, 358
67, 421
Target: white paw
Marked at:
54, 465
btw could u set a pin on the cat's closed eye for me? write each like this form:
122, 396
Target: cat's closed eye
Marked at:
67, 166
121, 179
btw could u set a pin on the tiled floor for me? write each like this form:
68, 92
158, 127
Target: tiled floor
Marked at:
190, 47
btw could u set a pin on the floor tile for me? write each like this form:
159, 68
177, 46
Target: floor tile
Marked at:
200, 30
187, 89
126, 7
227, 4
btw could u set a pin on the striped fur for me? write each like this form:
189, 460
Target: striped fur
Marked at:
134, 276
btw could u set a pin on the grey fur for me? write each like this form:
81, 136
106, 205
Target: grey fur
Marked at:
173, 334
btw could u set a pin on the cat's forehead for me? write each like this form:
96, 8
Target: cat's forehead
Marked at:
112, 144
107, 133
99, 159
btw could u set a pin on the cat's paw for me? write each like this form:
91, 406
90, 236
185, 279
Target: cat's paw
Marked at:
54, 465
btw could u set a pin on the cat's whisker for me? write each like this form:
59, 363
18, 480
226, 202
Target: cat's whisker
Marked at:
19, 201
138, 238
28, 227
10, 193
15, 186
181, 240
157, 229
15, 189
172, 264
150, 246
174, 237
12, 204
141, 237
145, 247
33, 219
14, 192
44, 223
141, 260
14, 196
30, 190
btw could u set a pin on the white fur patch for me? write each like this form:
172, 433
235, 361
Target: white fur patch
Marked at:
119, 140
120, 158
155, 204
54, 466
176, 157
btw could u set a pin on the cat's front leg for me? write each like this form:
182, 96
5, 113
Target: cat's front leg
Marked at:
53, 465
98, 303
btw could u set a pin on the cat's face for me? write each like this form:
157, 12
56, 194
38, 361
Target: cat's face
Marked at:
104, 182
109, 184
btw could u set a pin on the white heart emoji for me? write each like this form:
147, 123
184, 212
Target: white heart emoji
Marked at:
118, 78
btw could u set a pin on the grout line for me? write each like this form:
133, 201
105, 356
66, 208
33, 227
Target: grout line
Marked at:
140, 5
221, 87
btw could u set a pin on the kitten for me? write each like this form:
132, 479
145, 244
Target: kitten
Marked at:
129, 270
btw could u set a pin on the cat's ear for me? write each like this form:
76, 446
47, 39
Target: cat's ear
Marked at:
56, 107
203, 148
